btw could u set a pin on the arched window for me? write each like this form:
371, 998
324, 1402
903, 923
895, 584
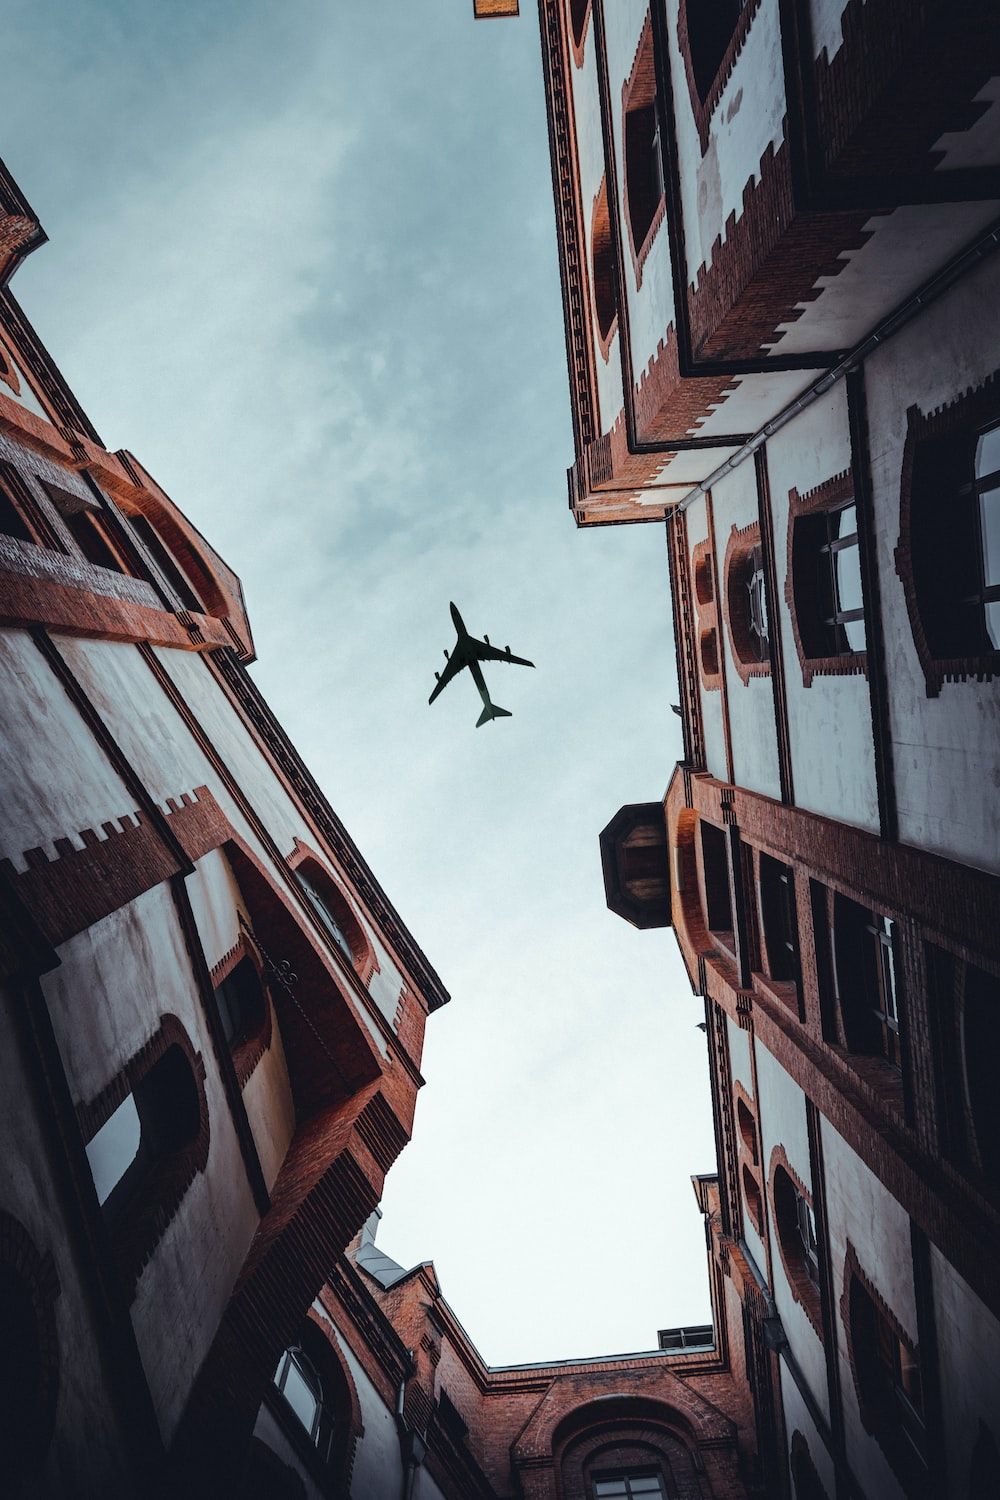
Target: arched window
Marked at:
808, 1485
778, 919
747, 1126
887, 1377
754, 1200
710, 27
298, 1382
746, 603
602, 266
826, 566
795, 1226
244, 1014
146, 1137
644, 185
867, 980
329, 906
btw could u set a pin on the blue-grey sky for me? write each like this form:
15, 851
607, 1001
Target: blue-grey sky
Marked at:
303, 264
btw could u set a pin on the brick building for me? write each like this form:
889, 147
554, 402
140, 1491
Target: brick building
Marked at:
777, 227
210, 1038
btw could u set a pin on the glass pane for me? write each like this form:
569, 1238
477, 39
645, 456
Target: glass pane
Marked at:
610, 1487
988, 453
993, 623
114, 1148
300, 1396
847, 563
854, 630
650, 1485
844, 522
989, 521
758, 607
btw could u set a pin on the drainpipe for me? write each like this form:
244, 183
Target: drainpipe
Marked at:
412, 1446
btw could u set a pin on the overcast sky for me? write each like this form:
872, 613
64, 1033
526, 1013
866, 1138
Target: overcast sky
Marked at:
303, 264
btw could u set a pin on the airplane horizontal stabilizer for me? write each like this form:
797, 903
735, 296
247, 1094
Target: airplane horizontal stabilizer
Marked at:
492, 712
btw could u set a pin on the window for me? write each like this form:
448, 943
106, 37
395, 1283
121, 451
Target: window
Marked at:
808, 1485
778, 918
747, 1127
167, 564
156, 1120
798, 1244
754, 1201
322, 901
579, 14
746, 602
832, 621
298, 1382
887, 1376
715, 870
11, 521
710, 27
867, 981
241, 1003
641, 1484
146, 1137
89, 535
602, 263
957, 573
823, 586
29, 1355
707, 615
644, 186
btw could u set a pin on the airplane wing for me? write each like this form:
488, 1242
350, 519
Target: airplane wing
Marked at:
454, 666
486, 652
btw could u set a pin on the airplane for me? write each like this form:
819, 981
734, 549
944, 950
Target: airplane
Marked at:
468, 652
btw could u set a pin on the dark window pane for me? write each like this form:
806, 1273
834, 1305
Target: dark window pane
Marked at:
11, 523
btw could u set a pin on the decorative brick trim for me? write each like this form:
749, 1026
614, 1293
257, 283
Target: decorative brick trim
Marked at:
37, 1281
741, 542
768, 257
753, 1197
975, 407
143, 1223
871, 1418
906, 73
365, 960
638, 92
381, 1131
706, 604
806, 1294
703, 109
837, 490
578, 14
602, 279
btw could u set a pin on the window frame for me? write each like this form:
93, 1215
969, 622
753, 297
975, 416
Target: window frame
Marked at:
819, 627
644, 175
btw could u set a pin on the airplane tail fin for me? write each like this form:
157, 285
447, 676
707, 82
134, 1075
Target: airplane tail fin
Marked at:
492, 712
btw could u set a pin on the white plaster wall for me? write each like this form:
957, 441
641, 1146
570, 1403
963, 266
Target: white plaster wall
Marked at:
115, 980
862, 1210
25, 396
378, 1468
968, 1338
827, 26
746, 119
905, 247
946, 750
54, 778
169, 760
830, 727
590, 163
270, 1432
425, 1487
86, 1453
711, 701
651, 306
797, 1418
751, 705
756, 399
782, 1112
